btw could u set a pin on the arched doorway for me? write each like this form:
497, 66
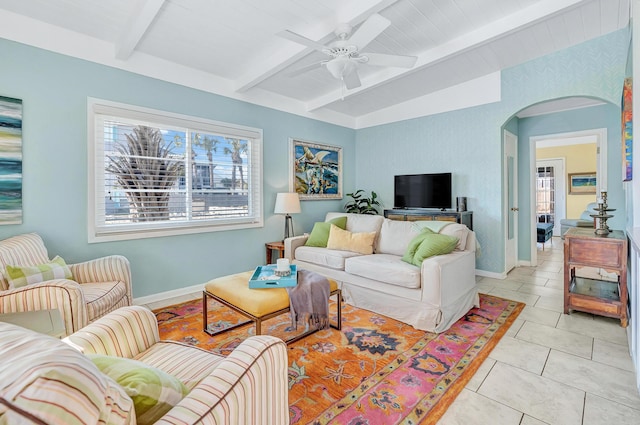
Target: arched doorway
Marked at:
564, 118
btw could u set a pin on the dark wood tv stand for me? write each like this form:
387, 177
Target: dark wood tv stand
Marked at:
417, 214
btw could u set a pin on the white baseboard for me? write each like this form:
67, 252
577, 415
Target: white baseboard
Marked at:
484, 273
148, 299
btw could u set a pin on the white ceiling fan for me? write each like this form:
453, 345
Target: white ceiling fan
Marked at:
346, 52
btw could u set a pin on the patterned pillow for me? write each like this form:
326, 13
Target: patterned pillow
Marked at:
19, 276
153, 391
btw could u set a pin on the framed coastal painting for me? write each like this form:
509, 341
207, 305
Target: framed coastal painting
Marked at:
627, 131
582, 183
315, 170
10, 160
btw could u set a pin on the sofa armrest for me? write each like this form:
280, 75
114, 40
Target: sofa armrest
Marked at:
445, 277
250, 386
106, 269
290, 245
125, 332
61, 294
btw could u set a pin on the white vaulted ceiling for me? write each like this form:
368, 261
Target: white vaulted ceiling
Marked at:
230, 47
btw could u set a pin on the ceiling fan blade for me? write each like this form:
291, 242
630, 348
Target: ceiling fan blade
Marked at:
297, 38
369, 30
381, 59
304, 69
352, 80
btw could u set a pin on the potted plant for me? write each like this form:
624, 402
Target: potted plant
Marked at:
362, 204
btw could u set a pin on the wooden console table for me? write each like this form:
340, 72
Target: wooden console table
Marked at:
463, 217
583, 248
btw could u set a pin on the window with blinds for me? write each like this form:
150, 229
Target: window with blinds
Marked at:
156, 174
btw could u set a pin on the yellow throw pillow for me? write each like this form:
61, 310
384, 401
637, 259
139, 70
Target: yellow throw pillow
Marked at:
320, 233
344, 240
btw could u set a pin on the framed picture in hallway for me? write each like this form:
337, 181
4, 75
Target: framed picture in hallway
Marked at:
582, 183
315, 170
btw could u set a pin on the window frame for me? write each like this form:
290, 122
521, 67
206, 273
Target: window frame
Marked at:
100, 232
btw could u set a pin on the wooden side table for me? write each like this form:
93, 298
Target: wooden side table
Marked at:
274, 246
582, 247
48, 322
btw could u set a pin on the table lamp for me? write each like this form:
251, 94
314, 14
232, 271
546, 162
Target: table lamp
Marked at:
287, 203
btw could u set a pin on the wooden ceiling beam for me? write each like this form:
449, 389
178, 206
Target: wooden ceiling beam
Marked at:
136, 27
495, 30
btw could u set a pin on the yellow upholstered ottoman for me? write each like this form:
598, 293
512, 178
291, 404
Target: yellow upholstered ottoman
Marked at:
256, 304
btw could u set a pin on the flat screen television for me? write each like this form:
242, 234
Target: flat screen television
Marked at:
422, 191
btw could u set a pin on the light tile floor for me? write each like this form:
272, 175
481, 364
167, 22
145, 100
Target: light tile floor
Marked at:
550, 368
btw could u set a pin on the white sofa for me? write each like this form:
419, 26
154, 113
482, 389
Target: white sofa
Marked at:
430, 298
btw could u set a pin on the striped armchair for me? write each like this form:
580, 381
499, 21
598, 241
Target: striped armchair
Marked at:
250, 386
98, 286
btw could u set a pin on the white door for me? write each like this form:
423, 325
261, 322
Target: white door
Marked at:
550, 193
510, 199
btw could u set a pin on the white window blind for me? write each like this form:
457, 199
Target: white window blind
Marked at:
155, 174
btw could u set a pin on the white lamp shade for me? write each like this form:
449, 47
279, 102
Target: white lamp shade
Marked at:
287, 203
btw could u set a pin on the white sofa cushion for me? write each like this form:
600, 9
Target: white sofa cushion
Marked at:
359, 223
395, 237
386, 268
331, 258
459, 231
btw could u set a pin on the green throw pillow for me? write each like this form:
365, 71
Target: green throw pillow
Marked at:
19, 276
434, 244
415, 244
153, 391
320, 233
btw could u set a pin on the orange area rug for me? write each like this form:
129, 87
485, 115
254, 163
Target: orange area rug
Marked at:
375, 370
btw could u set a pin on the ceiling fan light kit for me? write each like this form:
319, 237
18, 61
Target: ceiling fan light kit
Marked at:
340, 66
345, 51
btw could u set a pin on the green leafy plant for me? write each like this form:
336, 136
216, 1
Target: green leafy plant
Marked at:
362, 204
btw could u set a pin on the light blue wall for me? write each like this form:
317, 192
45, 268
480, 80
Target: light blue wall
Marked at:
603, 116
469, 142
54, 89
